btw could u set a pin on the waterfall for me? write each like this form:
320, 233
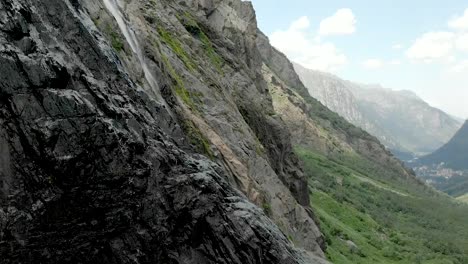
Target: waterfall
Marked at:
114, 8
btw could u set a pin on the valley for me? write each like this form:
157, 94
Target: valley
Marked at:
447, 168
401, 120
428, 140
385, 225
371, 208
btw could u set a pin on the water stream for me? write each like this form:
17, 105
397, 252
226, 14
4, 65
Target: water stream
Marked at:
115, 9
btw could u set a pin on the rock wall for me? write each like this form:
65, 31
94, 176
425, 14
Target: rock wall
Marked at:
97, 168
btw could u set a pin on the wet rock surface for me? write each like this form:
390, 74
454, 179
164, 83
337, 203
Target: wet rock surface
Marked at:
95, 169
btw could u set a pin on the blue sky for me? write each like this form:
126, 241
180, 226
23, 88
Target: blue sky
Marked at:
413, 45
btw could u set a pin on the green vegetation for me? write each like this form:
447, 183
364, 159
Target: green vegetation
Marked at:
215, 59
259, 149
177, 48
179, 87
266, 208
454, 186
193, 28
115, 38
329, 119
197, 139
463, 198
374, 216
116, 41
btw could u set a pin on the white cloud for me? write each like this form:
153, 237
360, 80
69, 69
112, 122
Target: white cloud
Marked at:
395, 62
461, 67
443, 46
462, 42
373, 64
432, 46
343, 22
292, 41
303, 47
397, 46
460, 22
324, 57
302, 23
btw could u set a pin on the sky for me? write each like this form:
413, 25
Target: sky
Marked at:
418, 45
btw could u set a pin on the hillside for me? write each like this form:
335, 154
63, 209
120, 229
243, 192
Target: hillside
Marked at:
400, 119
447, 168
367, 218
453, 155
463, 198
371, 208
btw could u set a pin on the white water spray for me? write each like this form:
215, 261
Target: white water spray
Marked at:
114, 8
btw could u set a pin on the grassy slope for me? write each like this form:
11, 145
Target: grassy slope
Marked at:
463, 198
388, 220
455, 186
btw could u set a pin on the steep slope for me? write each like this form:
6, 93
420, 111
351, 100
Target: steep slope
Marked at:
400, 119
367, 218
311, 123
463, 198
453, 155
371, 208
447, 168
333, 92
418, 126
142, 132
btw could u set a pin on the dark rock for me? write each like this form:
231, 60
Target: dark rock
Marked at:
94, 170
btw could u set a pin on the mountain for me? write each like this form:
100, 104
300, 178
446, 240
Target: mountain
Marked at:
173, 132
142, 132
400, 119
454, 154
371, 209
447, 168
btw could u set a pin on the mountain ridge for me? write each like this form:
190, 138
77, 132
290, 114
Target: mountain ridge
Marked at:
453, 154
397, 117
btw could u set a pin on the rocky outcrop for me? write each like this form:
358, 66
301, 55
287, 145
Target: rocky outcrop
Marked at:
305, 130
279, 64
113, 154
315, 126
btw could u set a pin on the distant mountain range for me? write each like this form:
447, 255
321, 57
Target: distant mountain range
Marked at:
401, 120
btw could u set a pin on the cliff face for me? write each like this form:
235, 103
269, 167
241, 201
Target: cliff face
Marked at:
144, 132
332, 92
312, 124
